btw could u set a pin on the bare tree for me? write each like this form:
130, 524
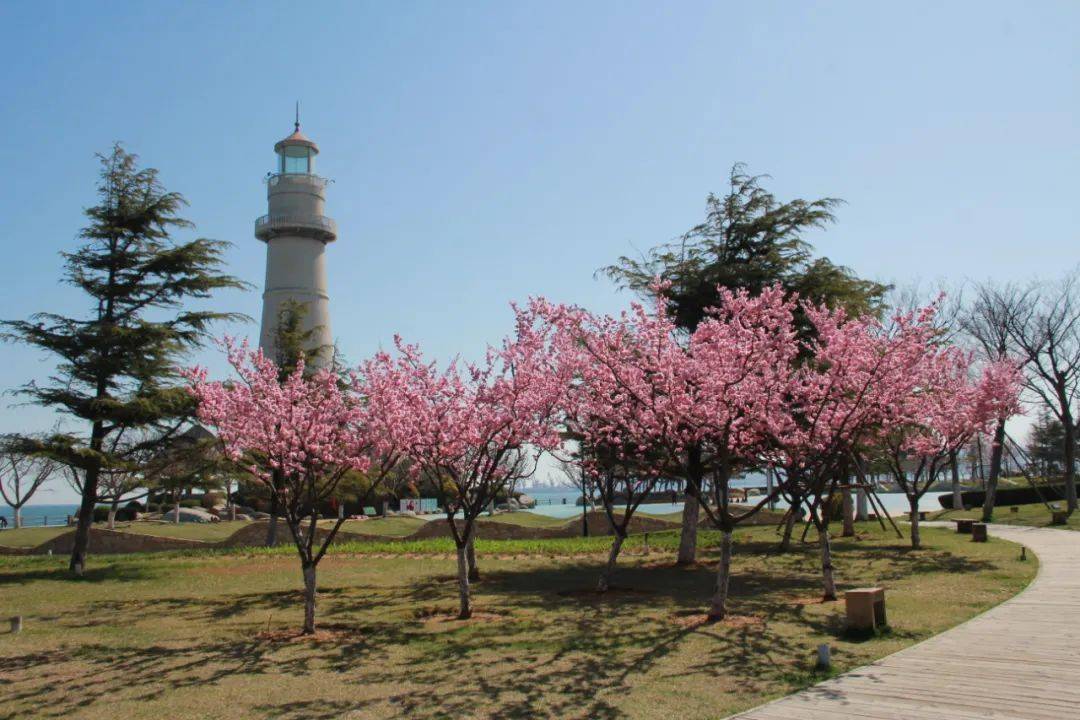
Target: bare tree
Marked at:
1046, 330
21, 475
987, 324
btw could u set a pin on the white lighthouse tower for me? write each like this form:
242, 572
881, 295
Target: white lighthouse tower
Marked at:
296, 233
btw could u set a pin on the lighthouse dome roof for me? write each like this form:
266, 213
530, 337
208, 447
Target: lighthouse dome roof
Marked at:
297, 139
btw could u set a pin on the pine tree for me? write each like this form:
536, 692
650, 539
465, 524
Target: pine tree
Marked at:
117, 365
748, 240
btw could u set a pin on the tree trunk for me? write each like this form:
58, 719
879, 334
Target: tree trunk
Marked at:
691, 507
17, 517
916, 540
275, 510
474, 570
112, 517
688, 537
605, 577
996, 453
465, 610
81, 541
272, 526
848, 510
826, 564
309, 599
718, 610
789, 525
1070, 459
584, 510
954, 467
862, 505
177, 509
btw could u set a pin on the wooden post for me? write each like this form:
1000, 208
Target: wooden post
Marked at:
16, 624
865, 608
978, 532
964, 526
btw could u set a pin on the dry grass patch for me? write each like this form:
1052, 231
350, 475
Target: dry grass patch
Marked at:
192, 636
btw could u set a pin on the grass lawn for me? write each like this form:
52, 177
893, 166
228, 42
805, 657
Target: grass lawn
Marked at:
200, 634
1033, 515
529, 519
394, 526
206, 532
30, 537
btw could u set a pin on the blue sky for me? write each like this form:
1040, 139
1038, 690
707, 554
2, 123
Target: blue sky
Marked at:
483, 152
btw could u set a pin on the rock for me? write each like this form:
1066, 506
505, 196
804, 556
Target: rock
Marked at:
197, 515
526, 502
243, 516
256, 515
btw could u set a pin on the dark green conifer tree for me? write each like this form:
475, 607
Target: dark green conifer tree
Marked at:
117, 364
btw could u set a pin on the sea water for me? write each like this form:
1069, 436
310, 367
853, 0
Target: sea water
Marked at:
39, 515
562, 503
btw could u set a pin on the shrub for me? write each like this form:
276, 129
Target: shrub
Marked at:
124, 513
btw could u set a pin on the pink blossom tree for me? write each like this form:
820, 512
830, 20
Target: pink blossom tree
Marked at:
856, 379
650, 401
474, 428
953, 402
299, 436
622, 407
742, 360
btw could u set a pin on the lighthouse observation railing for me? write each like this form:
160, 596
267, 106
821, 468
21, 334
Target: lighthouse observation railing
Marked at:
303, 178
269, 224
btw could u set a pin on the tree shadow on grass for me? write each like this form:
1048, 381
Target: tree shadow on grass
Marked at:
536, 652
208, 609
112, 572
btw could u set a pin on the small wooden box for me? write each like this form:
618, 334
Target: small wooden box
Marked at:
865, 608
978, 532
964, 526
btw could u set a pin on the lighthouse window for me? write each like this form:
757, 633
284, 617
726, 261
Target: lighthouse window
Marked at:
295, 160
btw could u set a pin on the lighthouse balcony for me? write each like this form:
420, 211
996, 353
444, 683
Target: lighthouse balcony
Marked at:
308, 180
319, 227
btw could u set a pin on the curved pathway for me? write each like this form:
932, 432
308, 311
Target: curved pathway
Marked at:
1020, 659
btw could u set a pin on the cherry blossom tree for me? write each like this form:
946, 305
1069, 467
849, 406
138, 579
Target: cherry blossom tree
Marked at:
741, 366
473, 429
299, 436
650, 400
622, 407
953, 403
855, 381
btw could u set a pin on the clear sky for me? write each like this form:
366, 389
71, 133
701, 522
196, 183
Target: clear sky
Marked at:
483, 152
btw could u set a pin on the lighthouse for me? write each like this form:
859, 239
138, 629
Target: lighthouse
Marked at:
296, 231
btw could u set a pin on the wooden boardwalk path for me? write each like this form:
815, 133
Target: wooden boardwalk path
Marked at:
1018, 660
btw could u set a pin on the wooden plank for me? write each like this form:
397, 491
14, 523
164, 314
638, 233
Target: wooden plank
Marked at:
1018, 661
